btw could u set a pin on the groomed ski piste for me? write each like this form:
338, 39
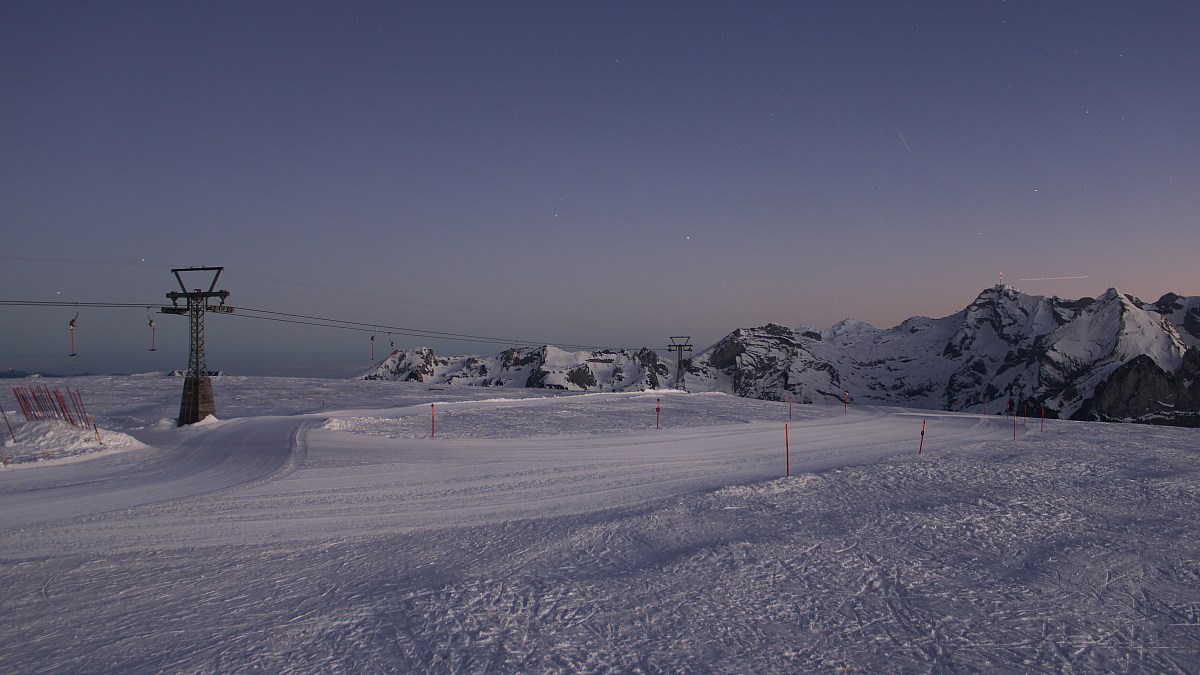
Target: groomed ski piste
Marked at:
324, 525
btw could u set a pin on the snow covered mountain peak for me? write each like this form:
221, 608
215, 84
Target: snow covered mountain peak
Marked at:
1110, 357
848, 329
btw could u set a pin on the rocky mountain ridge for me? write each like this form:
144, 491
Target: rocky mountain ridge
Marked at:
1113, 357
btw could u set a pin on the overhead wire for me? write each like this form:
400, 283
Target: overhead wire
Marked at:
418, 303
66, 303
330, 289
398, 330
325, 322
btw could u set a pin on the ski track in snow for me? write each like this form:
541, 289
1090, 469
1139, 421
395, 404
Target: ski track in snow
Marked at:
542, 533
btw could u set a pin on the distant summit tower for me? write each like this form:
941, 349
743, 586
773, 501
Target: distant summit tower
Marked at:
1003, 287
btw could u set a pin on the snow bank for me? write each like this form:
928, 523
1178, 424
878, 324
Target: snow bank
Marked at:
55, 442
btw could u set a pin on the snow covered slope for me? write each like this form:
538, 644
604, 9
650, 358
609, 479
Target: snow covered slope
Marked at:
320, 527
1110, 358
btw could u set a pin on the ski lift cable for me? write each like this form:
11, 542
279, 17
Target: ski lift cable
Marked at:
309, 320
300, 284
417, 334
325, 322
65, 303
409, 301
401, 330
372, 327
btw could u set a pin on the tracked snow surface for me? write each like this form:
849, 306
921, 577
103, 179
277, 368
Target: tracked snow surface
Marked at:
317, 527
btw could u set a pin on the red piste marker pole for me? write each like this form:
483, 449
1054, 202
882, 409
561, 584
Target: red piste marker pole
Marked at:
1043, 424
23, 402
921, 447
6, 423
62, 405
847, 402
433, 420
658, 414
1014, 425
787, 451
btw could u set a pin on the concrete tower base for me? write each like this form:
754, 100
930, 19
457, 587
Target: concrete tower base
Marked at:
198, 401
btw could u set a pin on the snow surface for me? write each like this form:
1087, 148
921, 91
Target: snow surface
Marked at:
316, 526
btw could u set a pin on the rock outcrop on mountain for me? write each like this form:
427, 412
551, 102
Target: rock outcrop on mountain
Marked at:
537, 367
1140, 390
1108, 358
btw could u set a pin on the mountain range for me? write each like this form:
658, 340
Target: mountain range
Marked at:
1112, 358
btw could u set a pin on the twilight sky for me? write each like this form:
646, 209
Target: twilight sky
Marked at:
593, 173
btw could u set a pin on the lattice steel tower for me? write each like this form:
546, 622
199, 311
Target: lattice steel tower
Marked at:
681, 344
198, 401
